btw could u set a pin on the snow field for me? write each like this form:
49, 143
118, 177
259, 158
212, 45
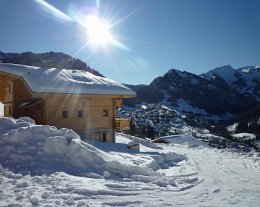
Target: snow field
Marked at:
64, 171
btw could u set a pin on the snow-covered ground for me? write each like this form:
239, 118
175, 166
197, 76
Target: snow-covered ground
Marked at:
1, 109
67, 172
244, 136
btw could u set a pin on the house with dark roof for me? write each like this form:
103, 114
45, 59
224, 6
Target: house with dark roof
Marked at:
73, 99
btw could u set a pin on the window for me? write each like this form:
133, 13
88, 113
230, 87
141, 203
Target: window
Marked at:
65, 114
105, 113
10, 110
80, 114
10, 88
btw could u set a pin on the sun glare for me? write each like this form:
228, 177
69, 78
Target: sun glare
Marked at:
98, 31
95, 29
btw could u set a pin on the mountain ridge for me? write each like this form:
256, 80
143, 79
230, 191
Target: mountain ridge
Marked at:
221, 91
47, 60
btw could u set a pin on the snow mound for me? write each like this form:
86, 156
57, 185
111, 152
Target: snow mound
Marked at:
26, 146
8, 124
144, 142
40, 149
184, 139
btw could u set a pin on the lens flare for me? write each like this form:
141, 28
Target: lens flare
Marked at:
98, 31
53, 10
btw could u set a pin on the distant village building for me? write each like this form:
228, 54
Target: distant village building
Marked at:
72, 99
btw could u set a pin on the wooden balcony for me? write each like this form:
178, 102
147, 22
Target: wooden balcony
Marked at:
122, 124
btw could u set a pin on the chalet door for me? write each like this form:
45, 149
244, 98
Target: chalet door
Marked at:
104, 137
35, 114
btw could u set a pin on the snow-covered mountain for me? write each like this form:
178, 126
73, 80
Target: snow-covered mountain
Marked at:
47, 60
181, 102
223, 91
7, 55
245, 80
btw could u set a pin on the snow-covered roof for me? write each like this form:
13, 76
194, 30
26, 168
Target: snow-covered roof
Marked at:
244, 136
55, 80
182, 139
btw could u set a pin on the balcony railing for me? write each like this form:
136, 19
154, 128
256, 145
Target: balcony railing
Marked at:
122, 124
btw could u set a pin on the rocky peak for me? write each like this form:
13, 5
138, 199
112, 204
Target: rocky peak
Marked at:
225, 72
223, 90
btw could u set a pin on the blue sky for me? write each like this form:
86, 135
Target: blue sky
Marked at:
191, 35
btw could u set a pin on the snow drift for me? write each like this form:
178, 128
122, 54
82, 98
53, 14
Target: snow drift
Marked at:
37, 149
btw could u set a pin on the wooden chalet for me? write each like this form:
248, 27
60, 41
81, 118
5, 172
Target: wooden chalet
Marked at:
63, 98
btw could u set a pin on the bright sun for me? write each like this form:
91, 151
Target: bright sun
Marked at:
98, 31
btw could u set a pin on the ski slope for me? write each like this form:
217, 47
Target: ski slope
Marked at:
176, 174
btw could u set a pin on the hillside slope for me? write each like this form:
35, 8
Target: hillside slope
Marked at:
223, 91
47, 60
248, 121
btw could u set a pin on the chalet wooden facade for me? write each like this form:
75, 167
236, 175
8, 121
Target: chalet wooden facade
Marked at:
70, 99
